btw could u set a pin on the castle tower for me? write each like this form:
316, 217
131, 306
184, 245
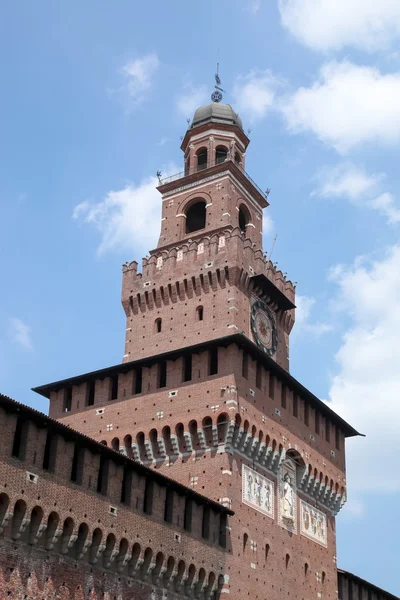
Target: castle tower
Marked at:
204, 392
209, 277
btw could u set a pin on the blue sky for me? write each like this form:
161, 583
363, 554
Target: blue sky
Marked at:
95, 98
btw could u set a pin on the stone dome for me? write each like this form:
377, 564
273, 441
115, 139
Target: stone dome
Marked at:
217, 113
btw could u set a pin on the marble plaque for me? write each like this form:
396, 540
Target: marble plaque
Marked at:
257, 491
313, 523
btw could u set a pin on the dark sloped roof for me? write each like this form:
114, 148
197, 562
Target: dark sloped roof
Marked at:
67, 432
237, 338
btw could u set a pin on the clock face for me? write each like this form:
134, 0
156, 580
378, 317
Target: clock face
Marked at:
263, 327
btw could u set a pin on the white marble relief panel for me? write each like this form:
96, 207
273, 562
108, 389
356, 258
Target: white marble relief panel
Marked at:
257, 491
313, 523
287, 496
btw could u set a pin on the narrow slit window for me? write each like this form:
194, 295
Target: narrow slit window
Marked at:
138, 380
213, 361
102, 478
205, 529
148, 497
187, 368
317, 422
187, 517
114, 387
295, 405
199, 313
126, 488
50, 452
68, 399
20, 439
90, 393
284, 396
271, 386
157, 325
77, 464
259, 376
337, 436
245, 365
306, 414
327, 431
162, 374
169, 506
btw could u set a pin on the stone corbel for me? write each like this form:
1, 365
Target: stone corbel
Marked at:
52, 542
22, 527
99, 552
6, 519
41, 529
67, 544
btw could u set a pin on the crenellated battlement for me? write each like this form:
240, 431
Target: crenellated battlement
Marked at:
227, 247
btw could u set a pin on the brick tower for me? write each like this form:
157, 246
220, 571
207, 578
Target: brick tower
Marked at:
204, 392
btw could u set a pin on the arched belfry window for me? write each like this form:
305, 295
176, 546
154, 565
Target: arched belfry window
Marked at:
196, 216
221, 154
202, 156
244, 217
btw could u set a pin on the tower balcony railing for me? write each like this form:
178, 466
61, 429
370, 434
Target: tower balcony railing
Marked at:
203, 167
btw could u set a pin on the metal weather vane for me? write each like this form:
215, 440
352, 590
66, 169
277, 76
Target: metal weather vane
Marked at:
216, 96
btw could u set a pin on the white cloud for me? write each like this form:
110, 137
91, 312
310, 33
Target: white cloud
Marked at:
127, 219
331, 24
304, 322
268, 224
20, 333
346, 181
348, 105
191, 98
139, 75
366, 389
255, 93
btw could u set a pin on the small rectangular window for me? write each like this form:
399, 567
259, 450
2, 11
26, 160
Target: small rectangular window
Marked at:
295, 405
317, 421
327, 430
306, 414
138, 380
90, 387
68, 399
245, 365
187, 367
259, 375
114, 387
213, 361
169, 506
283, 397
271, 386
162, 374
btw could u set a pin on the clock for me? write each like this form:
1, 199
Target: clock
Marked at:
263, 327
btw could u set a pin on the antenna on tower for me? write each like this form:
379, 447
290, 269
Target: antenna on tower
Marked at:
272, 248
216, 96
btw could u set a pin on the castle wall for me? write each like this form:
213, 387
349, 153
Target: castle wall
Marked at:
80, 521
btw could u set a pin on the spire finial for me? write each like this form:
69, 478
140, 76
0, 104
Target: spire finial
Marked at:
216, 96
